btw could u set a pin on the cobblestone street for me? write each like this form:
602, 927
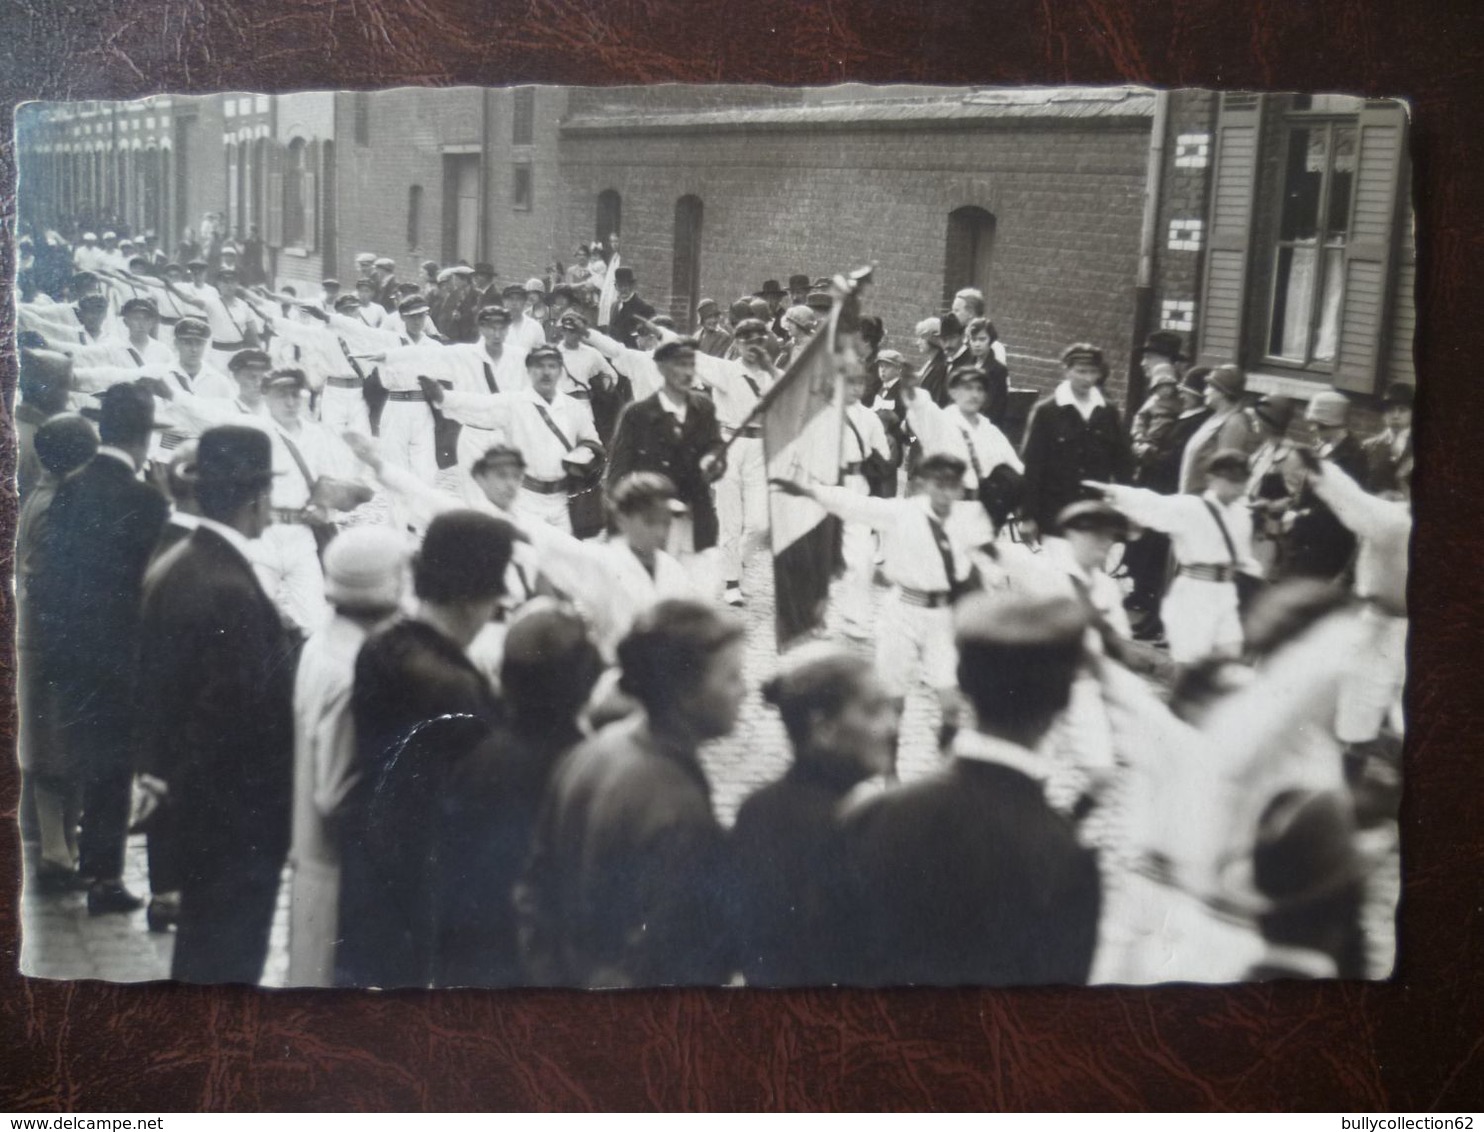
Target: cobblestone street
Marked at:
61, 941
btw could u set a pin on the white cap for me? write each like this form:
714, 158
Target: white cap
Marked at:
366, 566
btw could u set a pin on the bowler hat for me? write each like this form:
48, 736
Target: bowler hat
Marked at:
799, 283
771, 290
1165, 343
623, 276
949, 326
65, 442
234, 454
485, 269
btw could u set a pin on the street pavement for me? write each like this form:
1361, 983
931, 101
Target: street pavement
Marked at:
61, 941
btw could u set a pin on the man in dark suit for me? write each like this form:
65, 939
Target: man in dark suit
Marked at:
1389, 453
969, 876
1073, 435
217, 673
674, 432
1316, 544
102, 528
384, 275
629, 309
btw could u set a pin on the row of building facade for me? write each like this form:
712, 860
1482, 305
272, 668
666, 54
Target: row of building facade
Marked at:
1272, 230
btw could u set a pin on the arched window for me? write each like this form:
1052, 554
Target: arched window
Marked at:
685, 277
293, 193
970, 251
610, 214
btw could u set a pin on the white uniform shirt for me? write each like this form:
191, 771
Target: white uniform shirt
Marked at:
908, 543
736, 388
230, 320
323, 453
1193, 531
582, 364
979, 445
469, 366
608, 581
637, 365
518, 416
123, 353
863, 434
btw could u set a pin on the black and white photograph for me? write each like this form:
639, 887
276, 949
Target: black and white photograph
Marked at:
681, 535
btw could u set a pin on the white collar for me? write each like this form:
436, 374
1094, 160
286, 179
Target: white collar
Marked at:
120, 455
1063, 396
238, 540
982, 748
184, 519
671, 406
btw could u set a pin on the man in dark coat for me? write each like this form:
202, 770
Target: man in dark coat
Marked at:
933, 376
629, 309
419, 706
45, 379
969, 876
217, 676
101, 530
1316, 544
1388, 453
1073, 435
674, 432
628, 883
488, 808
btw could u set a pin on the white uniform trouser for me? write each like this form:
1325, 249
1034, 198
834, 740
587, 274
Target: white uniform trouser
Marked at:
1372, 688
287, 563
549, 510
407, 438
912, 640
742, 504
858, 548
1201, 619
702, 567
344, 410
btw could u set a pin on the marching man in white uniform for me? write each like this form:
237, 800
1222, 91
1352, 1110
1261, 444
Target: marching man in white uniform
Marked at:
960, 430
1211, 535
547, 427
406, 433
928, 564
862, 438
742, 492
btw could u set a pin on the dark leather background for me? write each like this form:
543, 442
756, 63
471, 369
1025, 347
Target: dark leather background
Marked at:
1412, 1044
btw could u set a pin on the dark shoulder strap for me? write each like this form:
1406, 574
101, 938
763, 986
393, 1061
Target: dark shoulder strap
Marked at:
489, 377
551, 424
1226, 537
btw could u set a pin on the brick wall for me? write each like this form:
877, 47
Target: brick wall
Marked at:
1067, 197
1181, 227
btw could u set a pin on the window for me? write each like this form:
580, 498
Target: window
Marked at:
361, 113
520, 190
966, 260
293, 194
1313, 226
460, 207
523, 115
685, 275
610, 214
414, 218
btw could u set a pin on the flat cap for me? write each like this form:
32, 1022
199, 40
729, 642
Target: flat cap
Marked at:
385, 263
543, 354
328, 283
347, 303
192, 328
676, 349
513, 289
968, 375
890, 358
819, 301
286, 379
415, 305
140, 306
1092, 515
244, 358
490, 315
1083, 353
1329, 409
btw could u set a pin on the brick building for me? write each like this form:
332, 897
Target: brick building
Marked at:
1272, 230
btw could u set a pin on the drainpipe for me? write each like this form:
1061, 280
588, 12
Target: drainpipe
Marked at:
1144, 286
486, 124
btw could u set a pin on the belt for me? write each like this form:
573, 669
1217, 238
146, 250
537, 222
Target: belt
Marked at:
345, 382
923, 598
291, 515
240, 344
749, 432
1209, 573
851, 469
544, 487
406, 395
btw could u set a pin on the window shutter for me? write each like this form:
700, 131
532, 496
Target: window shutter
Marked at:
274, 235
1369, 253
311, 196
1233, 190
1400, 366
